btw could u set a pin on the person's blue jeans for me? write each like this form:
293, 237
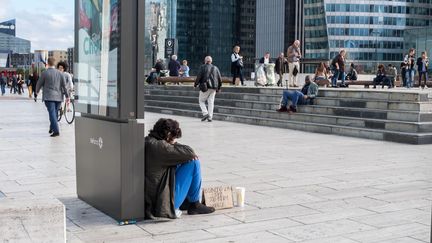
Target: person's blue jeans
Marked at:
421, 75
52, 107
410, 78
187, 183
295, 96
338, 73
3, 88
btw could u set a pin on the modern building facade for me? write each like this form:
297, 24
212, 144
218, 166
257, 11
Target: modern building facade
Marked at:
58, 55
246, 34
9, 41
420, 39
278, 24
19, 60
70, 59
370, 31
206, 28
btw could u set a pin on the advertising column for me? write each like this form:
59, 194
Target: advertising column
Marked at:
109, 137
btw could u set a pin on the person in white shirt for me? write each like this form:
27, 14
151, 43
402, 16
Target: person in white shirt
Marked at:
237, 65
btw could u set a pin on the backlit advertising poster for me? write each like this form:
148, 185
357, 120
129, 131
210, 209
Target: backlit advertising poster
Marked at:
97, 71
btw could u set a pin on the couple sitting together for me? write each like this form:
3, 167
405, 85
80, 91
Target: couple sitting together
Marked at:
303, 97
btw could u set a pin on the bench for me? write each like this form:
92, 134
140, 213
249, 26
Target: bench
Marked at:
187, 79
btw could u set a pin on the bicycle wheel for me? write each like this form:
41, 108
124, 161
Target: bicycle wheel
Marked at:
70, 112
60, 113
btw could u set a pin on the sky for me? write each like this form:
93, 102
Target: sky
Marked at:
48, 24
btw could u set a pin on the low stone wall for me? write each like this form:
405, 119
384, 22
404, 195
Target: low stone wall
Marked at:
32, 220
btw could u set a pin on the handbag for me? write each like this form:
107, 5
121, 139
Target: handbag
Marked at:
295, 71
239, 63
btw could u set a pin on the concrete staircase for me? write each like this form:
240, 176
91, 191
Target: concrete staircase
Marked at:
390, 115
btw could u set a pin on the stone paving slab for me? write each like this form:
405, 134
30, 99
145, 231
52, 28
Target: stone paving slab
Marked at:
300, 187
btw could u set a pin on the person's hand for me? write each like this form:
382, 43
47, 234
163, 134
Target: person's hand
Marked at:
68, 100
305, 97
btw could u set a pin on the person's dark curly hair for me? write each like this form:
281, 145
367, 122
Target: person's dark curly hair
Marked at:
63, 64
166, 129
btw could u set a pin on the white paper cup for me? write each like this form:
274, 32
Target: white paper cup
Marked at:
240, 191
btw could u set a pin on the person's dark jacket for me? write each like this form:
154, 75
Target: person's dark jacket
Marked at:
174, 67
210, 73
263, 59
420, 64
281, 66
33, 80
340, 61
161, 160
158, 67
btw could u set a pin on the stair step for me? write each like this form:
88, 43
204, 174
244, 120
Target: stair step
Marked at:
320, 100
384, 124
377, 134
316, 109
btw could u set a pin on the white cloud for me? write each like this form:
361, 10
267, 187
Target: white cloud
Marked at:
49, 25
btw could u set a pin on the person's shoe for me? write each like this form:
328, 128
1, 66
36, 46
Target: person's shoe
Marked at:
56, 134
205, 117
282, 109
292, 108
199, 208
209, 120
50, 131
185, 205
334, 86
35, 99
243, 84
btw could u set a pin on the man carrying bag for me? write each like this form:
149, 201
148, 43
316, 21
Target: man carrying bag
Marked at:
209, 81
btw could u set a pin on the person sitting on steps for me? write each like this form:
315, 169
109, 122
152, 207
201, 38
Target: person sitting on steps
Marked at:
172, 174
381, 77
304, 97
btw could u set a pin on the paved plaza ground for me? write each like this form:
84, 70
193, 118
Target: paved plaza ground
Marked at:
300, 187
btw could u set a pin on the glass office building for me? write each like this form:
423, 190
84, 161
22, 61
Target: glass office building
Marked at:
370, 30
421, 40
9, 41
206, 28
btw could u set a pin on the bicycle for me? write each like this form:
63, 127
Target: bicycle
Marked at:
70, 111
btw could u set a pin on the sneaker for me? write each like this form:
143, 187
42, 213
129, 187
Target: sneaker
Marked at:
292, 108
50, 131
56, 134
178, 213
282, 109
199, 208
205, 117
209, 120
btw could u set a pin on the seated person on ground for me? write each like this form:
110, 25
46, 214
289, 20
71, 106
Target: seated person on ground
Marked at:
391, 75
321, 72
305, 97
172, 173
381, 77
352, 74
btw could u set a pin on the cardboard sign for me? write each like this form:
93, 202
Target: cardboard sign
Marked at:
219, 197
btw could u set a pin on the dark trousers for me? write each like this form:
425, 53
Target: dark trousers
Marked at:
425, 75
383, 80
53, 107
238, 72
3, 88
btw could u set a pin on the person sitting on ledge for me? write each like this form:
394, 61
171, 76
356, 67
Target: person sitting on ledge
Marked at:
381, 77
305, 97
172, 174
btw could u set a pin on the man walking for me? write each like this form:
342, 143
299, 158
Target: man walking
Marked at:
294, 55
54, 87
209, 81
281, 67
